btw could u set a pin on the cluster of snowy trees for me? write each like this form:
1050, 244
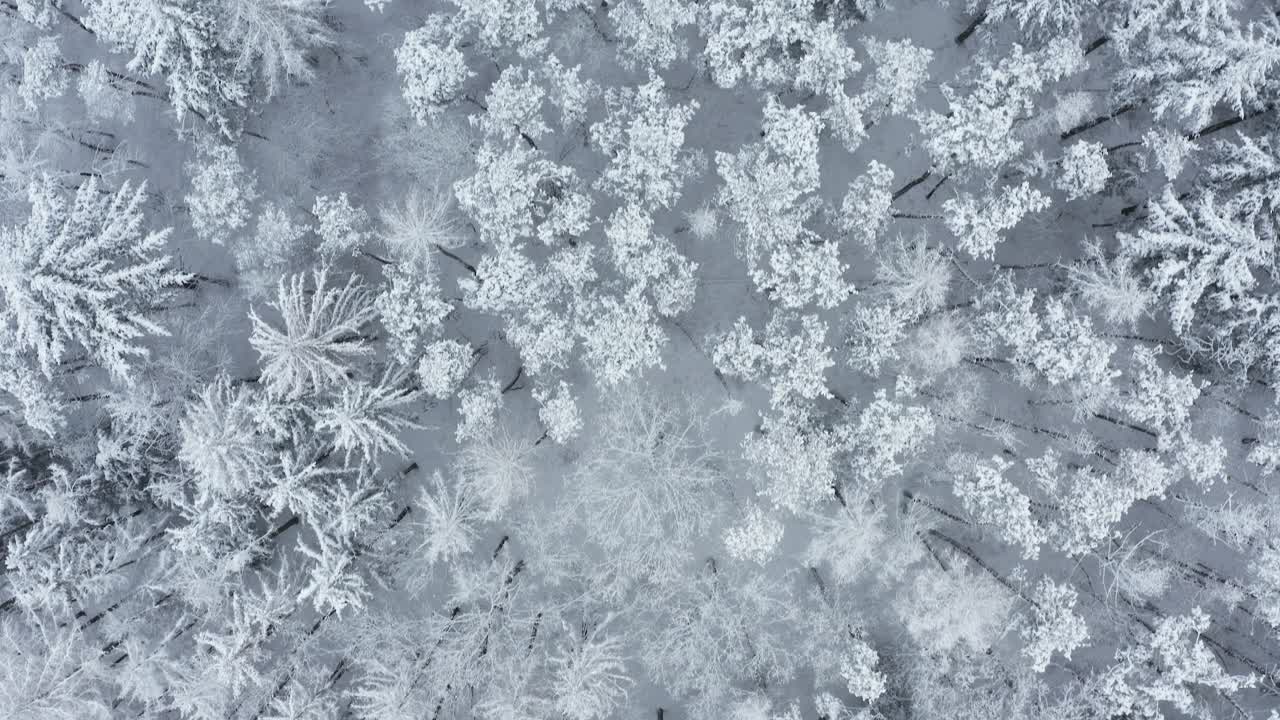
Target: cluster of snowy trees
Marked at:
708, 359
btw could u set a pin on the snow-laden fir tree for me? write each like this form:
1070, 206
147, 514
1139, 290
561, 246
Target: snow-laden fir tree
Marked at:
83, 272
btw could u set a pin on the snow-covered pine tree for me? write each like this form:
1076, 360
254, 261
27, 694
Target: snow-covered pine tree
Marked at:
320, 336
82, 272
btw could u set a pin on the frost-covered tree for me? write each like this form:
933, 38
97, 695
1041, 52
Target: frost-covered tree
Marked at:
423, 222
83, 272
791, 356
366, 417
1186, 64
1056, 627
517, 193
991, 499
273, 40
43, 74
978, 133
1091, 503
1159, 399
887, 435
222, 192
508, 284
651, 262
865, 210
1041, 16
1161, 671
860, 675
978, 222
221, 443
644, 137
914, 276
1169, 149
40, 13
50, 670
645, 488
1111, 287
496, 462
479, 405
335, 584
1200, 255
621, 337
755, 538
1265, 570
949, 608
1061, 346
434, 68
849, 543
277, 246
779, 44
768, 190
590, 673
513, 107
1084, 170
795, 460
412, 311
320, 336
559, 412
1072, 354
343, 228
448, 522
443, 366
652, 33
718, 628
104, 96
1241, 175
177, 40
900, 73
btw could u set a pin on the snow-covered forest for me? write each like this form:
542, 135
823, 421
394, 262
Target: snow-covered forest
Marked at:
640, 359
